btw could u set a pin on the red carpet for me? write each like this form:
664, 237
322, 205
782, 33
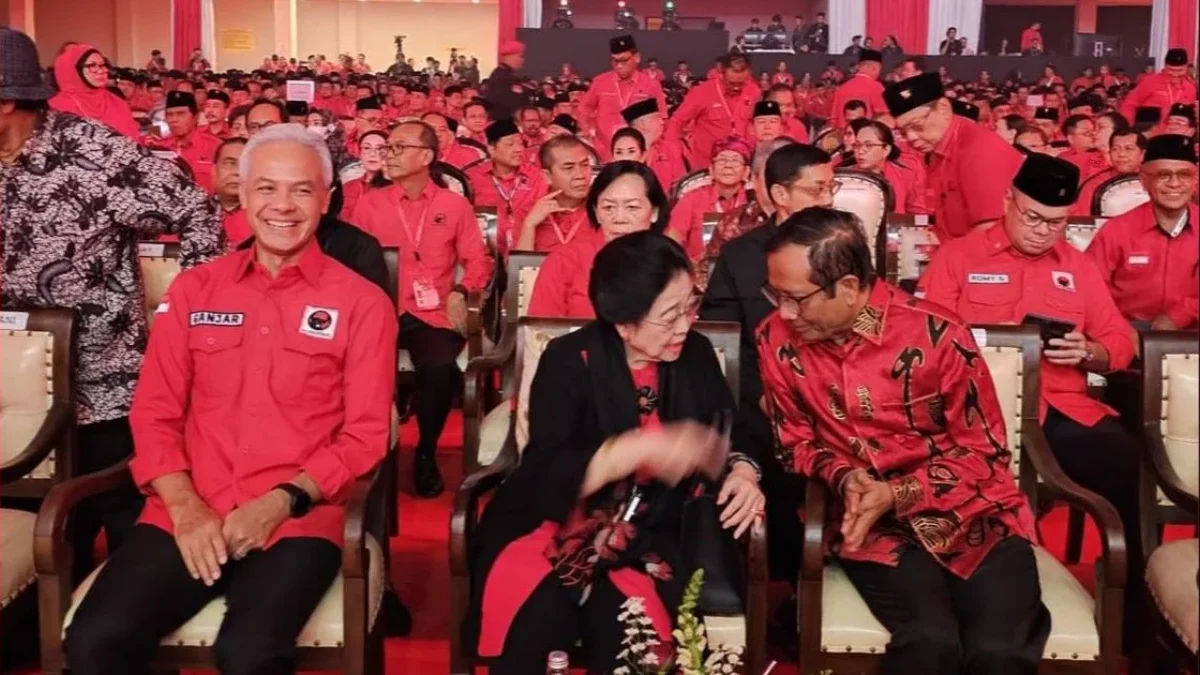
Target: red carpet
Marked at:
420, 564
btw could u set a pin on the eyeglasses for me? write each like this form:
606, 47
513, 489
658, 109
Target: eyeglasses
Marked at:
792, 303
259, 126
915, 125
399, 148
95, 66
687, 314
867, 145
1034, 220
1166, 177
816, 191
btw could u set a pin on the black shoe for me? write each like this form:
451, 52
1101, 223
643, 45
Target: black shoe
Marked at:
397, 620
427, 480
781, 629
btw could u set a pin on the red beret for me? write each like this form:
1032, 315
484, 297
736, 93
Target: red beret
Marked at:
510, 47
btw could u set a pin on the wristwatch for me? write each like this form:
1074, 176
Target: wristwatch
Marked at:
301, 501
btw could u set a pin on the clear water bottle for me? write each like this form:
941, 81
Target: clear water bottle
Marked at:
558, 663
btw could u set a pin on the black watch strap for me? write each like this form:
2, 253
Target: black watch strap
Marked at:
301, 501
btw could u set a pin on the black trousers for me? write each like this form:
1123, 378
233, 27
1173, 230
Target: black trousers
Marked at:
101, 445
434, 354
1105, 459
145, 592
784, 492
991, 624
552, 620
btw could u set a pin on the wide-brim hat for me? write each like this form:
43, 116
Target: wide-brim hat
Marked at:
21, 77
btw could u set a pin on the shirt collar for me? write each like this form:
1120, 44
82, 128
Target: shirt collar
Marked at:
948, 141
427, 193
996, 240
309, 265
869, 321
1187, 218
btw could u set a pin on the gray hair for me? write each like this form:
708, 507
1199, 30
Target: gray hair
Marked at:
758, 163
289, 133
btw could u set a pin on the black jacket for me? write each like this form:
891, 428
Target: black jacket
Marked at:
499, 91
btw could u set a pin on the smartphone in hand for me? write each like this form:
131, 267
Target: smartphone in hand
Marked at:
1049, 328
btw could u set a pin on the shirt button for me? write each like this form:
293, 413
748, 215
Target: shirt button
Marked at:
264, 330
245, 450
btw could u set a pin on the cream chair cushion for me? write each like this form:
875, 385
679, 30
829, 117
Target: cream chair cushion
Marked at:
1171, 576
324, 628
1004, 364
1080, 235
493, 431
16, 553
728, 631
26, 393
915, 246
864, 199
526, 277
1122, 197
1181, 419
847, 625
534, 343
157, 275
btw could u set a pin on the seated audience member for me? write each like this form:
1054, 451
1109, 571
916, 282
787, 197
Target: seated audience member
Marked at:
1149, 256
929, 525
81, 73
219, 520
1033, 139
624, 198
875, 151
450, 150
216, 111
617, 425
1181, 120
795, 177
1125, 151
372, 149
793, 125
664, 155
557, 217
628, 144
767, 123
727, 192
227, 181
505, 182
854, 110
561, 125
194, 145
1009, 126
435, 231
1081, 151
237, 122
1024, 268
1045, 118
1108, 123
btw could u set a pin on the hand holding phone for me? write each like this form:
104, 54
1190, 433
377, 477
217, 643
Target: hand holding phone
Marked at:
1049, 328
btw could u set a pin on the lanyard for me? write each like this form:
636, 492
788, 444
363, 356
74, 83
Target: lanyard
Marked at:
725, 105
737, 201
570, 235
624, 100
414, 240
506, 197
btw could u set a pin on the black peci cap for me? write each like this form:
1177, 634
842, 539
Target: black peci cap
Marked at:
964, 109
500, 129
767, 109
1047, 180
912, 93
621, 44
181, 99
565, 121
647, 106
1169, 146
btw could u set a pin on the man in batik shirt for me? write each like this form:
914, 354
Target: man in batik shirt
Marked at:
75, 199
886, 399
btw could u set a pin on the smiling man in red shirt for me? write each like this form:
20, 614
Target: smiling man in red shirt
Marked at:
263, 396
886, 399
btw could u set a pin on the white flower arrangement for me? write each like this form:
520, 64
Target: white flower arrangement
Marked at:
692, 656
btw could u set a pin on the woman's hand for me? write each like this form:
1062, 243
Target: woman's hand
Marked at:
680, 449
743, 500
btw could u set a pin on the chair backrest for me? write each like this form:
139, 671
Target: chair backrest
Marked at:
1171, 400
352, 172
534, 334
391, 258
829, 139
37, 357
690, 183
159, 264
479, 148
489, 217
1118, 195
454, 180
709, 223
908, 249
867, 196
1081, 231
522, 271
1013, 356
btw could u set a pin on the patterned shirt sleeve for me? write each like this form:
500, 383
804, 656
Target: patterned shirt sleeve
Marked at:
154, 197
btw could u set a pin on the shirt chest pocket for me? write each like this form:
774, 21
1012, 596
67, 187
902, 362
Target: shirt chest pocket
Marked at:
1066, 306
307, 368
216, 361
992, 289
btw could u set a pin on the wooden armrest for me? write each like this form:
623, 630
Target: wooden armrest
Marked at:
49, 435
816, 499
358, 502
1164, 473
474, 323
476, 382
1112, 533
466, 503
49, 531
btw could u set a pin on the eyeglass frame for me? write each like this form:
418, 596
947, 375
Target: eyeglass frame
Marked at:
777, 298
688, 312
390, 148
1052, 224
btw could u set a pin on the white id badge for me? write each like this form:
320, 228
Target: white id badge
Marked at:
425, 294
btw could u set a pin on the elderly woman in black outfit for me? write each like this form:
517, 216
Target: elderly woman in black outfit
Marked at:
620, 416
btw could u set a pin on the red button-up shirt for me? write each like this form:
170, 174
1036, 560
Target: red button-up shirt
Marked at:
969, 173
237, 228
1158, 91
460, 156
858, 88
665, 158
508, 196
561, 289
708, 115
556, 230
1149, 271
907, 397
250, 380
1089, 163
198, 149
687, 216
600, 108
435, 232
795, 129
1087, 191
907, 180
983, 279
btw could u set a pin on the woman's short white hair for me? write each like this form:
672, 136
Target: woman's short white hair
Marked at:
289, 133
